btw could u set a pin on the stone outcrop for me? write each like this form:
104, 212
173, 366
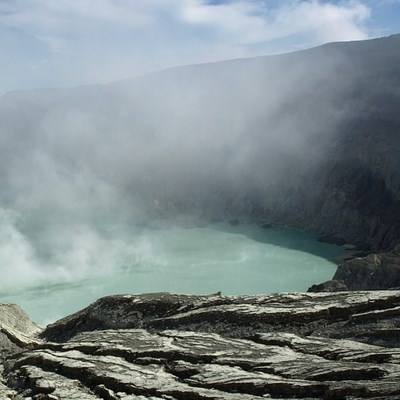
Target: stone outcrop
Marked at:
16, 330
329, 286
373, 272
165, 346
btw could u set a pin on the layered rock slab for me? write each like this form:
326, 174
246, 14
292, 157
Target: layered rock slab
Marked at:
164, 346
335, 315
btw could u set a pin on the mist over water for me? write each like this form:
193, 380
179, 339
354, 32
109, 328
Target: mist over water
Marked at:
88, 173
243, 259
80, 167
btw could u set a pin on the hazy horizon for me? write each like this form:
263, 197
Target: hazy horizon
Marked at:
64, 44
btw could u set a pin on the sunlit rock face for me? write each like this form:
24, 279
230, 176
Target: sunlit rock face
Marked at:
166, 346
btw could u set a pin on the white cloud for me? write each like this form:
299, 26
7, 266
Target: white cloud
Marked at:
104, 40
325, 21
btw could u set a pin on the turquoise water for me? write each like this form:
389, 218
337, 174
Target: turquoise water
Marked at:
242, 259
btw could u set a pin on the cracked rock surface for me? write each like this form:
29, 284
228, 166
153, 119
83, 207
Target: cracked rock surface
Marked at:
177, 347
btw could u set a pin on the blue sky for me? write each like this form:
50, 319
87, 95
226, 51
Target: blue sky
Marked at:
51, 43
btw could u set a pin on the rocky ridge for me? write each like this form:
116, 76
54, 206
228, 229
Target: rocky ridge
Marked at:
375, 271
166, 346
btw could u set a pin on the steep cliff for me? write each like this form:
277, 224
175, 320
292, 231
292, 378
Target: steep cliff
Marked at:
353, 194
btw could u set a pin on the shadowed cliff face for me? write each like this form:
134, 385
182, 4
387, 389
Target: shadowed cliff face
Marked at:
308, 139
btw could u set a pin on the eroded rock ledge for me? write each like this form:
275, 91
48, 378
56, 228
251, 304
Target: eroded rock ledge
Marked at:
165, 346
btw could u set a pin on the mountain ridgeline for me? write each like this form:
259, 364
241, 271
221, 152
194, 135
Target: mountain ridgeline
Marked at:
309, 139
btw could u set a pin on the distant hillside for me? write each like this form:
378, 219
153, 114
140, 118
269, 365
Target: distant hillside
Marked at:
309, 139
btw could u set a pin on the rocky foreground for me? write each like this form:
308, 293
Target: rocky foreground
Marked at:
164, 346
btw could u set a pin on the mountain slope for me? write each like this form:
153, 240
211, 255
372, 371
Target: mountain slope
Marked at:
307, 139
